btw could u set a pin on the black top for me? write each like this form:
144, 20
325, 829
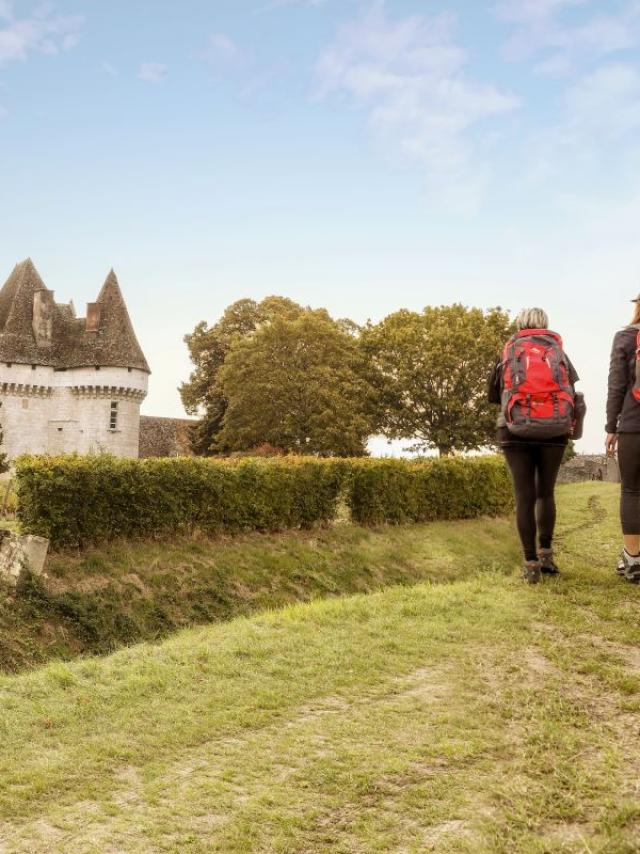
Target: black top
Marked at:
494, 394
623, 411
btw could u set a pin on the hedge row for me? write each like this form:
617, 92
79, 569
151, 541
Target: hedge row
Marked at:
80, 500
398, 491
75, 501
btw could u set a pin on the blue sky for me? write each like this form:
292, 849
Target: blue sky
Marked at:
363, 156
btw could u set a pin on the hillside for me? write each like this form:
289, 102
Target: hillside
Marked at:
474, 716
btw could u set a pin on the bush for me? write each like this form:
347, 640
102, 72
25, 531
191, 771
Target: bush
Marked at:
75, 501
397, 491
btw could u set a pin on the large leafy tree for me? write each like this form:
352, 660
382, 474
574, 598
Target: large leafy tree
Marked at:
430, 369
297, 384
208, 348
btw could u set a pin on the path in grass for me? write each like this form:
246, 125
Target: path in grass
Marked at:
478, 716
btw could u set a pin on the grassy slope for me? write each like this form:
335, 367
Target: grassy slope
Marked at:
477, 716
121, 595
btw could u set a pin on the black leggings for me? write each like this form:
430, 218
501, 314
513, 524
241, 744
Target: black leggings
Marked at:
629, 459
534, 469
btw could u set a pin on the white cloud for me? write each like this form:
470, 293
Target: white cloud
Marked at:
545, 26
221, 49
596, 135
42, 32
605, 105
411, 77
153, 72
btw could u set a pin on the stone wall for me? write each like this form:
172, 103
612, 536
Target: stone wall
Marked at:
49, 411
165, 437
587, 467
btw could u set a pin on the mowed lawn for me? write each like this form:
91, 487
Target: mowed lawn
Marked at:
478, 715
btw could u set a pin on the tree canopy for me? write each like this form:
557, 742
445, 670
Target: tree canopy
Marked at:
297, 384
208, 348
430, 372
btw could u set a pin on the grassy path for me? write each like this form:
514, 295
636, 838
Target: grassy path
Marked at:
477, 716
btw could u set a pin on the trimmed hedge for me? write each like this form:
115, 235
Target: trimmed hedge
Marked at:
400, 491
77, 501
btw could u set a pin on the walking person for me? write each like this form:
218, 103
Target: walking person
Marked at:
534, 383
623, 436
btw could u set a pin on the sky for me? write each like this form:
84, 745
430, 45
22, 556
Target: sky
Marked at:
360, 155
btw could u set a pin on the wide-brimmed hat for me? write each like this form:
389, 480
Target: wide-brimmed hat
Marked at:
636, 299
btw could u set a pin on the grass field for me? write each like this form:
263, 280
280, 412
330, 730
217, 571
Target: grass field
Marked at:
478, 715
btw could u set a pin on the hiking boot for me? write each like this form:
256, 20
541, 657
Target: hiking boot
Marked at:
531, 571
628, 569
547, 563
632, 573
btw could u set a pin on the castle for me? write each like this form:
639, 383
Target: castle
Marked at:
68, 384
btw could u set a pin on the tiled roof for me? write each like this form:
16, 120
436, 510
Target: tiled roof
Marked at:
112, 344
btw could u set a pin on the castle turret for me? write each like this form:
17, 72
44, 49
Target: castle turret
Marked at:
68, 384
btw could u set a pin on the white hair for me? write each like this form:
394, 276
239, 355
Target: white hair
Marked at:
532, 318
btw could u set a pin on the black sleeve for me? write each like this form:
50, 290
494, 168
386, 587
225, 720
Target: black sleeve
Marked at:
494, 392
618, 382
573, 374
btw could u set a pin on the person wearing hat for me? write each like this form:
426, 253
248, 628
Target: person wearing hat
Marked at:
623, 437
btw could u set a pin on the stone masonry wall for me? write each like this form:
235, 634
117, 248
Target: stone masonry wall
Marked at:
47, 411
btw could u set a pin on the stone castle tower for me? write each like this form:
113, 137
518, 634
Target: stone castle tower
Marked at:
68, 384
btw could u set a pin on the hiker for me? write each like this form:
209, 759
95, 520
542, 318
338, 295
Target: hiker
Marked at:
623, 436
534, 383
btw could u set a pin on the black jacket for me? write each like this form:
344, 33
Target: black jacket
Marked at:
623, 411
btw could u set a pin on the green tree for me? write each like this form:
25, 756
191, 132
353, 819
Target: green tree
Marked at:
297, 384
208, 348
430, 370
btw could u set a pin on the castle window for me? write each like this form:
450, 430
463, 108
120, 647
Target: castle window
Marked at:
9, 364
113, 423
25, 403
33, 367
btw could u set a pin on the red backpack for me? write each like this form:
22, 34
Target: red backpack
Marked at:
538, 399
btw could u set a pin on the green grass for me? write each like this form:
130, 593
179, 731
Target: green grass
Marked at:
126, 593
474, 716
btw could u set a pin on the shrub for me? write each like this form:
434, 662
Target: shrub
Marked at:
397, 491
77, 500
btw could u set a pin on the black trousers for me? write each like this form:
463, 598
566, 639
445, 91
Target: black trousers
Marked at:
534, 469
629, 460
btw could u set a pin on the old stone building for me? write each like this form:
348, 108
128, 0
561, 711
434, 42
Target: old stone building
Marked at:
68, 384
165, 437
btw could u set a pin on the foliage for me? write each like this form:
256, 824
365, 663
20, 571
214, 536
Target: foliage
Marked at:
76, 500
430, 370
297, 384
399, 491
569, 452
208, 349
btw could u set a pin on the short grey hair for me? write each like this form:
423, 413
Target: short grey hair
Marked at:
532, 318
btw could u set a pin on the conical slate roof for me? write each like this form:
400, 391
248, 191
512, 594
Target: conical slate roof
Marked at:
112, 341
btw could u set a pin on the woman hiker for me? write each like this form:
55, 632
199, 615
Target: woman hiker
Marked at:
623, 435
534, 383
